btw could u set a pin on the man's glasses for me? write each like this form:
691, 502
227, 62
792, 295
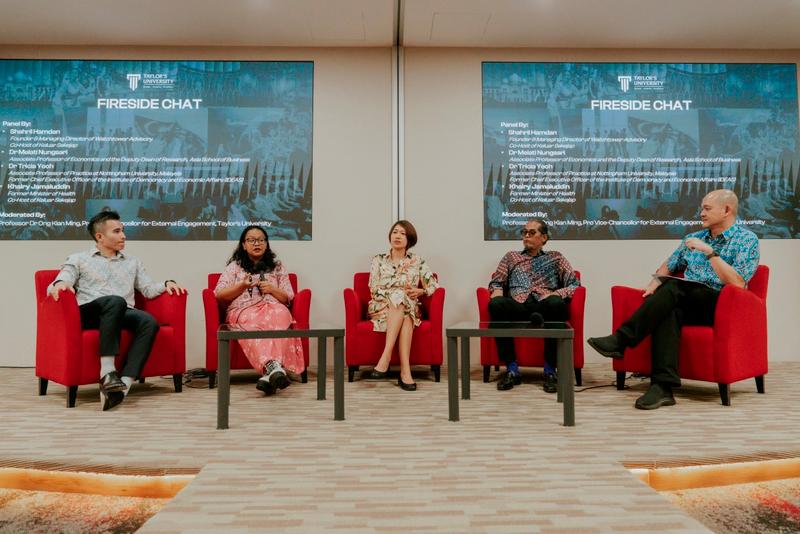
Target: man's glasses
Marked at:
255, 241
526, 233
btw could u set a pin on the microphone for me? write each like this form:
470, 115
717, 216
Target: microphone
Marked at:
260, 267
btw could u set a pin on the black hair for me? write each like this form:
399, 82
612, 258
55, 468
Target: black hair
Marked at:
101, 218
411, 232
241, 256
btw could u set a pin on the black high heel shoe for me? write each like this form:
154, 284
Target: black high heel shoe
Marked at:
407, 387
378, 375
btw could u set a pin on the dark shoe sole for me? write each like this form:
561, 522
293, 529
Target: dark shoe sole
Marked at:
112, 399
503, 385
408, 387
661, 402
549, 389
266, 387
608, 354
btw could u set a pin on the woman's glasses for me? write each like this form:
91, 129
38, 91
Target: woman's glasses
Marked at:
251, 241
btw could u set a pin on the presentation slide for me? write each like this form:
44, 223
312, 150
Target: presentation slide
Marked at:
628, 150
191, 150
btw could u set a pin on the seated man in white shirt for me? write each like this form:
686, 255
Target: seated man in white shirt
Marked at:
104, 280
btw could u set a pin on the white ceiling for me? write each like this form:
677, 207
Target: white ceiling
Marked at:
702, 24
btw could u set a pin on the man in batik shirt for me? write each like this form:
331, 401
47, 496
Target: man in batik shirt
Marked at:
531, 285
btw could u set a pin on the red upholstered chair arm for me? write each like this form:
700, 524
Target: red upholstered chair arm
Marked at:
740, 335
211, 308
483, 297
59, 322
436, 310
576, 307
624, 301
352, 308
167, 309
301, 308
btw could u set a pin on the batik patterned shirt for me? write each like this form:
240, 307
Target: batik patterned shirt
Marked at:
526, 275
737, 246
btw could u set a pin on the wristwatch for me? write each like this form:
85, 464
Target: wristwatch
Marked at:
712, 254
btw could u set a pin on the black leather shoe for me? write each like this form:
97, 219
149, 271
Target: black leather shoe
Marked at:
656, 397
537, 321
264, 385
550, 383
111, 399
508, 381
378, 375
112, 382
608, 346
407, 387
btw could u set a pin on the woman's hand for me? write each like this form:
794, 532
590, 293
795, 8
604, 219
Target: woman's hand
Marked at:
266, 288
414, 292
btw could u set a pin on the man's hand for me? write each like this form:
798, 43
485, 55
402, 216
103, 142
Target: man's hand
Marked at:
496, 293
698, 244
651, 287
58, 287
173, 288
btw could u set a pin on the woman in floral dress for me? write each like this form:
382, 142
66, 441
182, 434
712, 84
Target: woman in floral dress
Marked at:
256, 288
396, 281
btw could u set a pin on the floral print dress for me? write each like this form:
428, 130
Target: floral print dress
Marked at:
388, 281
254, 311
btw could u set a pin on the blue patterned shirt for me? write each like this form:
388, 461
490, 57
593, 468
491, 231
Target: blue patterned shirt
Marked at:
94, 276
525, 275
737, 246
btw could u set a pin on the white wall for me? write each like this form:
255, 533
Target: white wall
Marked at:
444, 193
351, 211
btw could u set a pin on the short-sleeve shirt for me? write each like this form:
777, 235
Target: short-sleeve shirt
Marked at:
737, 246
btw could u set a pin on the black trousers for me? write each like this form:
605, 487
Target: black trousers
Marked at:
662, 315
111, 316
553, 308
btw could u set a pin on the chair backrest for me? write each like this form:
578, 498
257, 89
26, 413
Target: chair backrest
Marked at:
758, 284
361, 287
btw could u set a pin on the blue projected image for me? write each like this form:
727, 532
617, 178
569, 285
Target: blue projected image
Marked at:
182, 149
628, 150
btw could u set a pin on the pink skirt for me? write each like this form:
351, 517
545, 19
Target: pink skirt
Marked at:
266, 315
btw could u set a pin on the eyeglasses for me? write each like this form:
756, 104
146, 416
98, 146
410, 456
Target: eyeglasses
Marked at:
251, 241
525, 233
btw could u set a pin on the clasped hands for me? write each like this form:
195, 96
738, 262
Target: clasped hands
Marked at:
263, 286
413, 292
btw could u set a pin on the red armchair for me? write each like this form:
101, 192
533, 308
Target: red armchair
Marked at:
530, 351
363, 346
215, 316
733, 349
70, 356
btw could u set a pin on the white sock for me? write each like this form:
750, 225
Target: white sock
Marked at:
128, 381
106, 365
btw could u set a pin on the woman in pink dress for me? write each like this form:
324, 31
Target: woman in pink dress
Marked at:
256, 288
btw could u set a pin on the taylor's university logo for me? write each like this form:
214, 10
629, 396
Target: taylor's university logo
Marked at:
624, 82
133, 81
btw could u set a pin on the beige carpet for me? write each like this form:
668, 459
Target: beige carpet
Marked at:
397, 464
